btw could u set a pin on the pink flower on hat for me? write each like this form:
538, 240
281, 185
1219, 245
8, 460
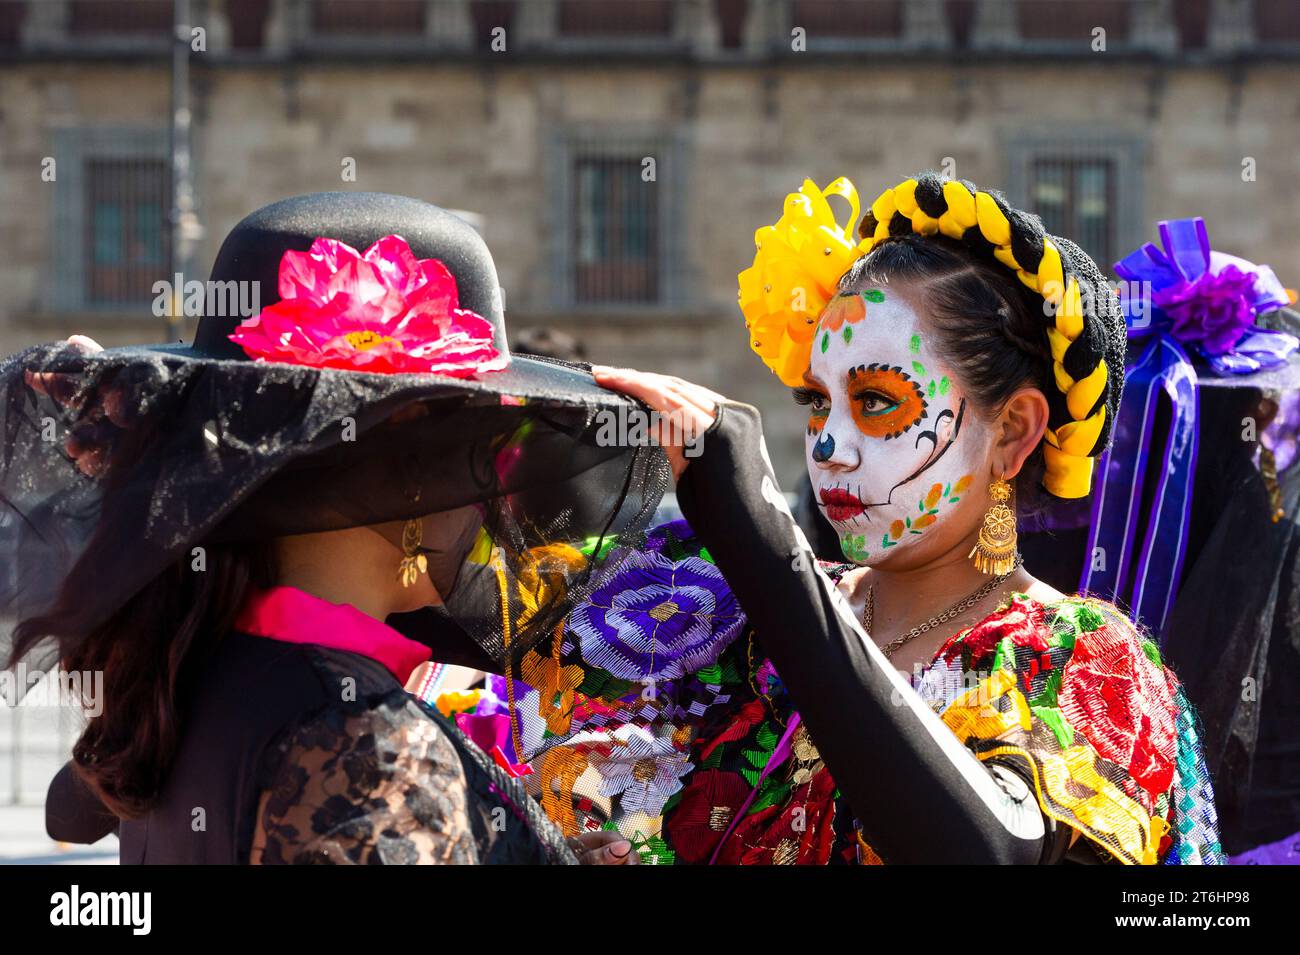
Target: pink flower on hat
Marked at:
385, 312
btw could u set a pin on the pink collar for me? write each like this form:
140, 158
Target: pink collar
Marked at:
294, 616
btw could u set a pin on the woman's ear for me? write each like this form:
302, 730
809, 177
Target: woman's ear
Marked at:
1021, 424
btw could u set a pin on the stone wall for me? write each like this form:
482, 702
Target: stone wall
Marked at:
475, 136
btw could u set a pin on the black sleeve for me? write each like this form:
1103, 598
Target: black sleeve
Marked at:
73, 813
920, 795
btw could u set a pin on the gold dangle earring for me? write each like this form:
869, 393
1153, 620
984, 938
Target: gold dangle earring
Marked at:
995, 547
413, 563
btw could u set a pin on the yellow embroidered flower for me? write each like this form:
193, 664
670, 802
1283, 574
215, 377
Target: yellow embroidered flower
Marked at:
543, 576
556, 684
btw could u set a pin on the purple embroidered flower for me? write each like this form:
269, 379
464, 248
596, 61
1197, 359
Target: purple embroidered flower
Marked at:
655, 619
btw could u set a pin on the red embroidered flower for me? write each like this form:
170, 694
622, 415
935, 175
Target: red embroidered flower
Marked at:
737, 725
385, 311
1023, 620
1123, 705
707, 808
798, 831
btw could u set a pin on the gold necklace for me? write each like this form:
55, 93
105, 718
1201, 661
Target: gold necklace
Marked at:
868, 612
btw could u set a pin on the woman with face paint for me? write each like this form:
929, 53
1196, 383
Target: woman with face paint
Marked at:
954, 362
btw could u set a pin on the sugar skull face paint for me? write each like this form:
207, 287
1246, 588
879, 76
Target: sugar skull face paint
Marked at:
892, 444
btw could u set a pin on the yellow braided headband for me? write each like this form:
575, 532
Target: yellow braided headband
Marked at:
800, 259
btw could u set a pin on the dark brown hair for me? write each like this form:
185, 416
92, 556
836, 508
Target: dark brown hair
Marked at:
150, 652
987, 324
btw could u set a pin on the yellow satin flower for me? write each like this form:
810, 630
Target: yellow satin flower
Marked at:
797, 266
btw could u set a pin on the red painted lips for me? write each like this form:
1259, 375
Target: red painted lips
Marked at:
840, 505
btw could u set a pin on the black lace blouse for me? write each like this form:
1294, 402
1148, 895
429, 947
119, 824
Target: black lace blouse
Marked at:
299, 753
388, 780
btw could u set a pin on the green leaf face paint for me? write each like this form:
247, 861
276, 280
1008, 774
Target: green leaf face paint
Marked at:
854, 547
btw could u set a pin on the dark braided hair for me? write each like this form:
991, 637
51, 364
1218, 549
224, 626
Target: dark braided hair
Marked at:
1011, 304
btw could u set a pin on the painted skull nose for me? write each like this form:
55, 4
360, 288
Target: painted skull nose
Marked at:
824, 449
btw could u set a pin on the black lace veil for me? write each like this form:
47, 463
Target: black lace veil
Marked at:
117, 465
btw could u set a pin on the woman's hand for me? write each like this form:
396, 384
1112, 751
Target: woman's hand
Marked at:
603, 848
90, 437
687, 409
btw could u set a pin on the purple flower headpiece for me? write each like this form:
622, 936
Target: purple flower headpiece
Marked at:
1206, 301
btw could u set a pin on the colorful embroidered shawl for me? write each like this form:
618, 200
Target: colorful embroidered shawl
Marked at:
655, 712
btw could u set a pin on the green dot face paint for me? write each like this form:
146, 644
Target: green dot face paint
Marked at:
893, 448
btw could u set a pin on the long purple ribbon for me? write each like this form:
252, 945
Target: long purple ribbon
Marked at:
1145, 575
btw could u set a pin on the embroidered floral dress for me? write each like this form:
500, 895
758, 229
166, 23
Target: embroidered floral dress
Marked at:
657, 713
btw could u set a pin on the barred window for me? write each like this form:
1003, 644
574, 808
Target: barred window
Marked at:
731, 23
615, 232
489, 15
11, 24
248, 21
126, 247
1075, 196
1192, 20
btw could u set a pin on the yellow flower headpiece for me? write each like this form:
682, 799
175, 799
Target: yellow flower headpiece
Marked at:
800, 259
798, 263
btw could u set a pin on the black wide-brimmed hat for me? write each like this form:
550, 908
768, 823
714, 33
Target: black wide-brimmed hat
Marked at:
117, 463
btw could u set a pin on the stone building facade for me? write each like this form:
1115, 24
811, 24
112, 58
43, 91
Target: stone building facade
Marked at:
618, 154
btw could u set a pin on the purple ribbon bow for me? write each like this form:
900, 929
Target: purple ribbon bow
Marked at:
1206, 301
1181, 298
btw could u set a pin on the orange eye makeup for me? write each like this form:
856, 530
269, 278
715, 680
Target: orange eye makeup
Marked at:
819, 408
884, 400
